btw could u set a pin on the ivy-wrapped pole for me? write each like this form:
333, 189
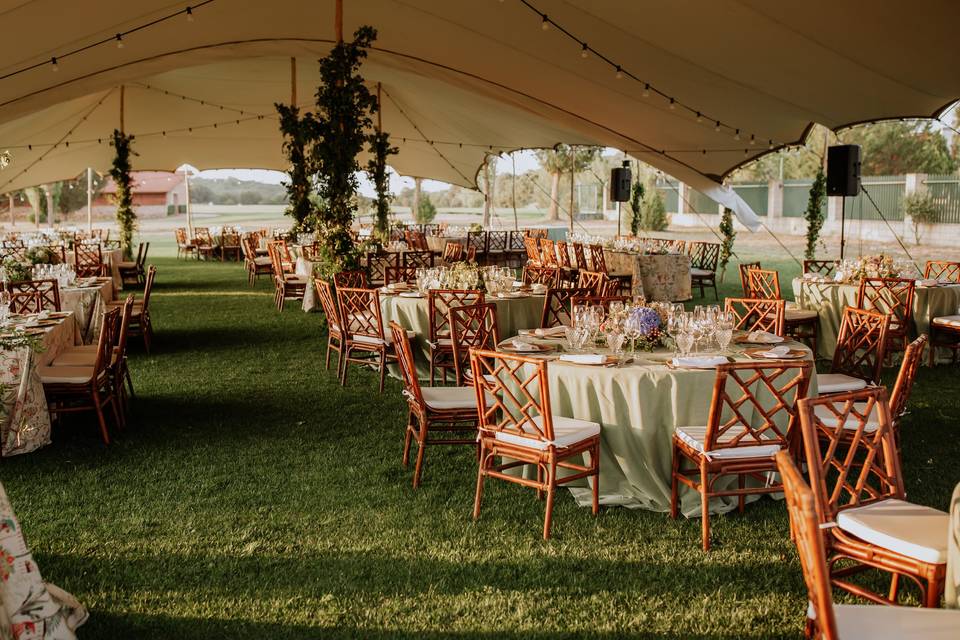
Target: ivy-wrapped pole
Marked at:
120, 172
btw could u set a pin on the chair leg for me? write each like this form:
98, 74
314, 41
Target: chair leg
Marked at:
421, 450
704, 506
383, 369
346, 365
407, 440
596, 480
934, 589
551, 487
741, 499
103, 422
126, 374
675, 485
478, 497
894, 586
326, 364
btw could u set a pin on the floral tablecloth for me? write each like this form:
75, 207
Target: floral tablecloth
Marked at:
829, 299
87, 304
30, 609
658, 277
24, 420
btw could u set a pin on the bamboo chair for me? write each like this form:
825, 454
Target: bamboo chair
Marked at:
230, 246
452, 252
860, 352
826, 620
377, 264
58, 253
363, 331
860, 498
580, 257
184, 245
825, 268
477, 242
436, 414
598, 260
732, 444
894, 297
547, 276
518, 426
24, 302
417, 259
286, 286
548, 253
335, 336
799, 324
517, 249
498, 247
254, 264
88, 260
943, 270
74, 389
745, 267
536, 233
48, 292
133, 272
598, 282
399, 274
563, 255
678, 246
354, 279
532, 248
140, 321
556, 306
704, 257
310, 252
944, 332
439, 303
471, 327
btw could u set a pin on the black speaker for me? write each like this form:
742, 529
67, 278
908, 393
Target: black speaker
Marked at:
621, 179
843, 170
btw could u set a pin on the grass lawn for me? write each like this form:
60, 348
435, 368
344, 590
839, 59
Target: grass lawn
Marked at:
252, 497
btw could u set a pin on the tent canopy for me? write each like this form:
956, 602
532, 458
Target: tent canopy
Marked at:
469, 77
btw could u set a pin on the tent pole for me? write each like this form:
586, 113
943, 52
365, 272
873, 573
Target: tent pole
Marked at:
573, 170
121, 108
89, 199
339, 21
379, 110
513, 160
186, 182
843, 215
13, 222
293, 82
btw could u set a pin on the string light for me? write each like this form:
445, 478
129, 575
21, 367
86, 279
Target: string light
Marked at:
619, 73
717, 126
699, 117
770, 145
546, 23
54, 66
673, 104
736, 135
753, 139
585, 51
119, 41
646, 91
189, 14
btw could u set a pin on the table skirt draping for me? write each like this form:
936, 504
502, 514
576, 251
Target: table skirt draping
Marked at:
112, 259
438, 243
311, 302
87, 305
638, 407
29, 607
513, 314
658, 277
24, 419
829, 299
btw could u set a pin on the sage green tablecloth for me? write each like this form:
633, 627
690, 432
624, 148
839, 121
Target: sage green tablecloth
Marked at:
658, 277
953, 553
513, 314
638, 407
829, 300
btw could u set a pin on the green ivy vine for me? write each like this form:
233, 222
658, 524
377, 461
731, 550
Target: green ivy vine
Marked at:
297, 133
380, 149
726, 246
120, 172
814, 214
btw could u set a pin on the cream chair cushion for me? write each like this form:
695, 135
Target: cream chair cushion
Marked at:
829, 419
799, 314
65, 375
949, 321
440, 398
838, 383
566, 432
701, 273
696, 438
889, 623
912, 530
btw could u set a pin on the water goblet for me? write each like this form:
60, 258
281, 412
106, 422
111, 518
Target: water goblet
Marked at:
685, 341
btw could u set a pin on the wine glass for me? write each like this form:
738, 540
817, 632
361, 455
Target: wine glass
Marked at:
685, 341
632, 328
724, 330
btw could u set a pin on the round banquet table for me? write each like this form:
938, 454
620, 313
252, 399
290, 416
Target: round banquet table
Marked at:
658, 277
828, 299
513, 314
638, 406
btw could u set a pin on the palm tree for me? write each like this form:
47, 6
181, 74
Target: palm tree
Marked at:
558, 161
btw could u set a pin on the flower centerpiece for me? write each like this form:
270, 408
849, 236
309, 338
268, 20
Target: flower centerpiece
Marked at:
42, 255
15, 271
876, 266
645, 324
463, 275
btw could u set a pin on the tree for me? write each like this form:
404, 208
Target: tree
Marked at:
297, 132
896, 148
415, 204
426, 211
120, 172
637, 193
654, 216
380, 149
73, 194
559, 161
814, 214
922, 210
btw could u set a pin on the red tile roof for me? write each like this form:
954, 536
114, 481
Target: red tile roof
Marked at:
148, 182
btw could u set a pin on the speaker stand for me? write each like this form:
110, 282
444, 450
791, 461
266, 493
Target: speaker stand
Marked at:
619, 205
843, 218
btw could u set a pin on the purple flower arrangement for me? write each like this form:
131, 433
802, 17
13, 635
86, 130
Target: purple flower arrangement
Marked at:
647, 323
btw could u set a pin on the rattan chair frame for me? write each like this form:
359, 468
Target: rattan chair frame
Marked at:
757, 314
861, 344
598, 282
471, 327
765, 283
556, 305
24, 302
744, 268
563, 255
417, 259
400, 274
377, 264
851, 467
439, 303
825, 268
360, 313
735, 405
942, 270
354, 278
88, 260
452, 252
548, 253
48, 291
547, 276
254, 269
705, 256
580, 257
532, 247
335, 337
286, 286
894, 297
511, 390
598, 259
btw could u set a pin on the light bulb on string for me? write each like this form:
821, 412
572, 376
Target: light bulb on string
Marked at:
646, 90
699, 117
619, 73
119, 41
736, 135
717, 126
585, 51
673, 104
753, 139
546, 23
54, 66
770, 145
189, 14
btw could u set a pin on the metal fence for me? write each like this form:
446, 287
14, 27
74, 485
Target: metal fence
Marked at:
946, 194
754, 194
886, 191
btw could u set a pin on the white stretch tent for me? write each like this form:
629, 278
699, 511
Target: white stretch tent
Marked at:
472, 77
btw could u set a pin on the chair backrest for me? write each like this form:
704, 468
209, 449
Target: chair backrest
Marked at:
58, 253
25, 302
851, 455
755, 403
556, 306
548, 252
377, 264
439, 303
16, 251
181, 235
203, 236
536, 233
912, 358
120, 340
408, 367
745, 279
598, 260
472, 327
801, 505
704, 255
563, 254
757, 314
547, 276
580, 257
516, 240
764, 283
355, 279
513, 394
823, 267
310, 251
594, 301
418, 259
105, 343
477, 240
678, 246
892, 296
400, 274
861, 344
88, 259
249, 244
143, 255
47, 290
276, 261
330, 307
942, 270
360, 312
533, 250
148, 286
498, 241
596, 281
230, 240
452, 252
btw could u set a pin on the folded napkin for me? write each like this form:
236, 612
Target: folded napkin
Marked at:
700, 362
584, 358
43, 315
927, 282
765, 337
410, 294
775, 352
517, 283
517, 343
552, 332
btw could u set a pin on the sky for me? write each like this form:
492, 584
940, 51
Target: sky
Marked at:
526, 160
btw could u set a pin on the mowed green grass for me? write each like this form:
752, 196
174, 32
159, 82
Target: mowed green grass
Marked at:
251, 496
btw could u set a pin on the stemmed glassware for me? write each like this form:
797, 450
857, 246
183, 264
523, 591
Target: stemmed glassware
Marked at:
724, 329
